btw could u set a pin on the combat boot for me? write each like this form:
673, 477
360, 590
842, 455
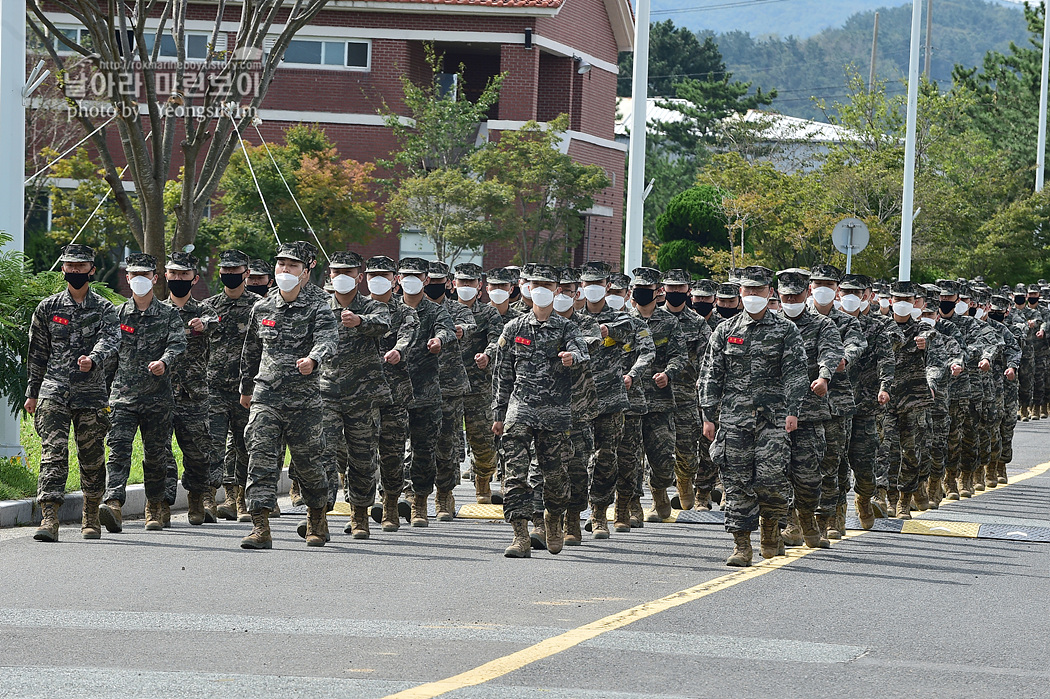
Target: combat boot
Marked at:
357, 528
978, 479
792, 534
865, 512
208, 501
538, 535
419, 510
600, 523
1024, 413
295, 495
446, 506
573, 535
90, 527
935, 493
770, 544
686, 495
110, 516
195, 508
391, 519
48, 530
951, 486
622, 515
904, 506
317, 526
483, 491
881, 503
990, 481
555, 533
521, 547
661, 506
243, 515
260, 537
966, 488
811, 532
637, 513
702, 500
154, 515
228, 509
922, 497
1000, 473
165, 514
838, 520
742, 551
823, 523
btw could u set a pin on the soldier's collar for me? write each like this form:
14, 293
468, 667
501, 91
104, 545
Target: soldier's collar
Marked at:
90, 301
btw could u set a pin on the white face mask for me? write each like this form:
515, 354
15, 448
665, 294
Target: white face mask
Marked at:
837, 304
377, 286
615, 302
902, 308
916, 313
884, 303
543, 297
594, 293
755, 304
343, 283
562, 303
140, 286
286, 282
981, 314
864, 306
850, 303
929, 320
961, 307
823, 295
499, 295
466, 293
793, 310
526, 290
809, 302
412, 285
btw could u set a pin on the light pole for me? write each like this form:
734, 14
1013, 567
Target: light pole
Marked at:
1040, 156
908, 208
632, 254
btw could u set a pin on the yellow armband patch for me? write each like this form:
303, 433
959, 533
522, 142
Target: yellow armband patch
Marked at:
609, 342
502, 341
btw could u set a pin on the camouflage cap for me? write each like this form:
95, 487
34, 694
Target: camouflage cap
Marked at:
645, 275
982, 295
258, 266
299, 250
76, 252
542, 273
413, 265
1045, 292
964, 291
380, 263
438, 270
931, 292
734, 275
825, 273
1020, 289
182, 261
854, 282
704, 287
676, 276
568, 275
1000, 302
728, 290
595, 271
904, 289
618, 280
1033, 288
790, 281
755, 276
1041, 282
468, 270
233, 258
502, 275
524, 272
344, 259
948, 287
140, 262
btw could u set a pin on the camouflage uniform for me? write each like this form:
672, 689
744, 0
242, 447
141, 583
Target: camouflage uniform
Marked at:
584, 408
1008, 358
1028, 320
754, 376
141, 400
1011, 396
706, 473
60, 333
943, 352
285, 404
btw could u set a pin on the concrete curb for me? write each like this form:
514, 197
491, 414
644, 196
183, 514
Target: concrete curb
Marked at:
14, 513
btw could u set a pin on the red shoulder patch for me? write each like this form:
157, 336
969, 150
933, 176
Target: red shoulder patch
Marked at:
60, 320
127, 328
269, 323
735, 340
523, 341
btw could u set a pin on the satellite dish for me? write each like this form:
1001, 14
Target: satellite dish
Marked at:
850, 236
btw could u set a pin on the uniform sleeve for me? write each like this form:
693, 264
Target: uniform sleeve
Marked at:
1013, 349
987, 340
794, 370
938, 359
503, 375
39, 350
251, 355
576, 342
621, 330
495, 328
464, 318
176, 344
830, 351
375, 322
645, 348
326, 335
108, 341
885, 361
711, 382
853, 341
677, 353
209, 317
444, 328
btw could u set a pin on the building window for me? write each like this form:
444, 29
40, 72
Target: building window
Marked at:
324, 52
78, 35
196, 46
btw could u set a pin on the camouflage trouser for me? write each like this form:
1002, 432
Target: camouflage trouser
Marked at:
629, 457
993, 445
658, 440
227, 419
90, 425
517, 492
706, 473
686, 445
1006, 426
1026, 380
904, 428
578, 453
604, 467
301, 430
863, 445
806, 453
882, 456
477, 418
973, 437
393, 431
958, 448
1040, 392
424, 425
934, 462
190, 424
450, 443
351, 436
753, 463
154, 423
836, 439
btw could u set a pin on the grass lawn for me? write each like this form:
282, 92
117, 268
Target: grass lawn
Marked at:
19, 482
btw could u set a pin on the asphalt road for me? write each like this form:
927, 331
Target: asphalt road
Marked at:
186, 612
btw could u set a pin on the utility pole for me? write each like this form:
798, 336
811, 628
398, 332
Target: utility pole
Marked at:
1040, 156
929, 37
874, 52
908, 208
632, 254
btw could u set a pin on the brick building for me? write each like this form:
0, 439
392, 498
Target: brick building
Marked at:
559, 56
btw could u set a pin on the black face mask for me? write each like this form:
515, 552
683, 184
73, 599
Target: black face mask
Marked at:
643, 297
1019, 300
515, 292
231, 281
972, 312
435, 290
180, 287
998, 316
1033, 302
676, 298
947, 307
727, 312
77, 280
260, 289
703, 307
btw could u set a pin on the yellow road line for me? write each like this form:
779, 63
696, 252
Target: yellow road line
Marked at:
562, 642
1037, 470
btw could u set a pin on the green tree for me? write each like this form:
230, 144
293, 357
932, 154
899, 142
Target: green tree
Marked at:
675, 53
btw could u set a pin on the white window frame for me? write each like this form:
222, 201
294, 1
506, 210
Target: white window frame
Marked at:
61, 48
186, 36
323, 66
